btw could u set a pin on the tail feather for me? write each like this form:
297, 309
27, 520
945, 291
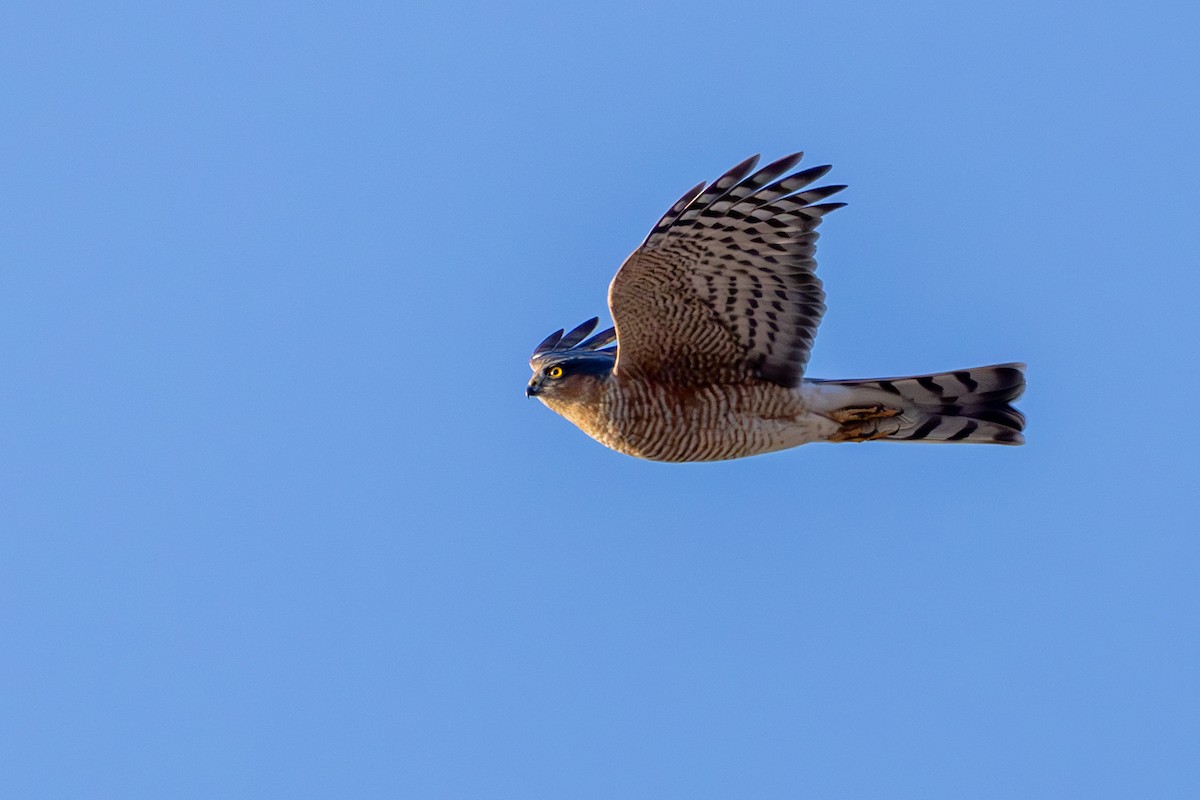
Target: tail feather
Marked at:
967, 405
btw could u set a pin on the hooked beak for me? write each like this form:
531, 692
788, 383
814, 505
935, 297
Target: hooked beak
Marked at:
531, 390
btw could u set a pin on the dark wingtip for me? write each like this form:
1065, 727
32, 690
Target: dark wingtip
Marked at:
557, 342
745, 166
548, 343
600, 340
578, 334
781, 165
830, 190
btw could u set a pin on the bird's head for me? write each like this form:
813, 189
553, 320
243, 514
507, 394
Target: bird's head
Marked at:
568, 370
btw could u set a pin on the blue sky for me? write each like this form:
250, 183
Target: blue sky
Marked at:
276, 519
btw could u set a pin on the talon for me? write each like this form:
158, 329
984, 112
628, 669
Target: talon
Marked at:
859, 433
863, 413
865, 423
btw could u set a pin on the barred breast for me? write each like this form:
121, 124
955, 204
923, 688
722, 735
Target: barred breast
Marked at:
708, 423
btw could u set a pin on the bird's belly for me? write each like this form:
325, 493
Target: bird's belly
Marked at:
711, 423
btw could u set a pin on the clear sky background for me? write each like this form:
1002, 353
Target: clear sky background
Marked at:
276, 519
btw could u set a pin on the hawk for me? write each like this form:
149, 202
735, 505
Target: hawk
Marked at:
715, 316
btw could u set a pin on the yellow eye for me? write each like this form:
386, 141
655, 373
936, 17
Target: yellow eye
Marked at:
555, 372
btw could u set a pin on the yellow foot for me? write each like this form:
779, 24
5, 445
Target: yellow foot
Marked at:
863, 413
860, 433
864, 423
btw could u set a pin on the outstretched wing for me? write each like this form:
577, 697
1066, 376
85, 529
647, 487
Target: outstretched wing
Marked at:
723, 289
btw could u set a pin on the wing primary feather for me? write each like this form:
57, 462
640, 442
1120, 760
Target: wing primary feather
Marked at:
548, 343
820, 193
824, 208
753, 183
600, 340
717, 190
732, 177
776, 168
577, 334
782, 188
672, 214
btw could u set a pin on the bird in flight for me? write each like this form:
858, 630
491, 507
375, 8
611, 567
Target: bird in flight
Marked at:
715, 316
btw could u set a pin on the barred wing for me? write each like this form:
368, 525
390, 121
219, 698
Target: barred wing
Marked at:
723, 289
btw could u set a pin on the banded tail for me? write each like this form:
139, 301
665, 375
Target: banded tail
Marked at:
967, 405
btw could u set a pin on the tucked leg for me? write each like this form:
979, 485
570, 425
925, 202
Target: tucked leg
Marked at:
863, 413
